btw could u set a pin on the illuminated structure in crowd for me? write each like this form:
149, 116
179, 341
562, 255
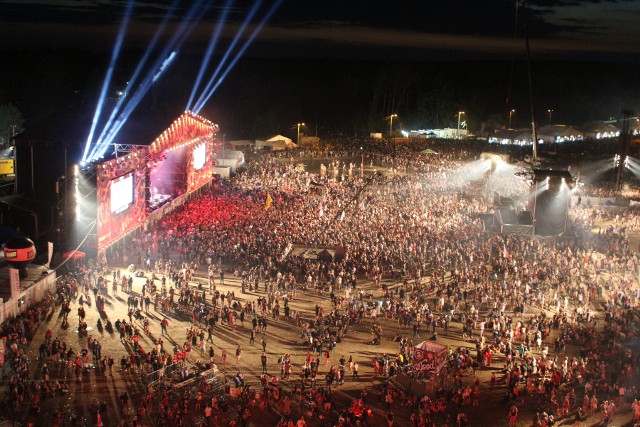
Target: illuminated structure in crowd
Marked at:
139, 183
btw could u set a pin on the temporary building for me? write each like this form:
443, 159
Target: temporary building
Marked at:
599, 130
558, 133
231, 158
429, 357
280, 142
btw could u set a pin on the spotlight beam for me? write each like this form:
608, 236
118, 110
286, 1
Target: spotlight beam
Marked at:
208, 54
229, 51
164, 66
134, 77
186, 26
246, 45
107, 80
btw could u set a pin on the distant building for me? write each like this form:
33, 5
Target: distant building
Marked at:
240, 144
309, 140
599, 130
634, 126
446, 133
511, 137
558, 133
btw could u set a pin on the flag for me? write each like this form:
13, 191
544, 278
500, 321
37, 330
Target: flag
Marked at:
504, 251
342, 216
267, 203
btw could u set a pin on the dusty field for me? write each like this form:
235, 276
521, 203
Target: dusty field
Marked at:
281, 337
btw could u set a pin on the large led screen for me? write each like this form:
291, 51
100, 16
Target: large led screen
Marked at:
199, 156
121, 193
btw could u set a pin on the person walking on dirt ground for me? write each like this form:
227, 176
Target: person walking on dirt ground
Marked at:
238, 353
513, 415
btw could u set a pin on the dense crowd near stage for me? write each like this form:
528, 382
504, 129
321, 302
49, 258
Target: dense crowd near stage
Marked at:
553, 314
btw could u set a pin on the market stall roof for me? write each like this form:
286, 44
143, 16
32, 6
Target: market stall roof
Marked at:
432, 346
429, 151
74, 255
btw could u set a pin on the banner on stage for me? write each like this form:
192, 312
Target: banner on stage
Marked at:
14, 281
49, 253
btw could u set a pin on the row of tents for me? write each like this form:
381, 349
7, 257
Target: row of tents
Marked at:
546, 134
562, 133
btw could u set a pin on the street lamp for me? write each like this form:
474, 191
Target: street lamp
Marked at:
510, 114
391, 123
550, 113
299, 124
458, 131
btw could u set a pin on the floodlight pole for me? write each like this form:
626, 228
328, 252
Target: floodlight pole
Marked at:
298, 137
391, 124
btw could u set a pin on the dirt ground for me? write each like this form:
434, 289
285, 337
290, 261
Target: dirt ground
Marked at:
281, 338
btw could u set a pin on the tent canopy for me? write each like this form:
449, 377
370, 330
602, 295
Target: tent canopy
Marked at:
74, 255
428, 151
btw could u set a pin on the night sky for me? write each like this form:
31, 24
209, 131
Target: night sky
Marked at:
363, 29
345, 64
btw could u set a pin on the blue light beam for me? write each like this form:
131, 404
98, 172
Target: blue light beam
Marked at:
107, 80
134, 77
164, 66
186, 26
209, 53
229, 51
246, 45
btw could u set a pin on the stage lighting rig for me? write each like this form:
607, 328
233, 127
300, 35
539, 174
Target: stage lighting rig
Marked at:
107, 80
225, 58
204, 98
209, 52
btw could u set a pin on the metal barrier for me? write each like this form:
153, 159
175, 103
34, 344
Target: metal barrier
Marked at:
156, 376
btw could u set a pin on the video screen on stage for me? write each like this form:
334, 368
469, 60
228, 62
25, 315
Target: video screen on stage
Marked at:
199, 156
121, 193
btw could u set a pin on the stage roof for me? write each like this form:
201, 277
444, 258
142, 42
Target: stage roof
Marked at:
187, 127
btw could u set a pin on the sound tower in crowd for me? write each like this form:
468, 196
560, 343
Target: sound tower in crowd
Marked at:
552, 195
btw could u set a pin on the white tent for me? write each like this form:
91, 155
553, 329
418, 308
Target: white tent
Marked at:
280, 142
231, 158
558, 133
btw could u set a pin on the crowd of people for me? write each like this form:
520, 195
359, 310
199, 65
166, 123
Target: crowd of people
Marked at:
415, 236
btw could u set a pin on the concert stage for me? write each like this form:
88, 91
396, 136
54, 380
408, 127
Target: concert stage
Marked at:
139, 182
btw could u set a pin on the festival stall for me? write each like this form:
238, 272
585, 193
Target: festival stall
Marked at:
429, 358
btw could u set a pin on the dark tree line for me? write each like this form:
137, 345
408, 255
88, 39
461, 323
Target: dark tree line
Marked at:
266, 96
